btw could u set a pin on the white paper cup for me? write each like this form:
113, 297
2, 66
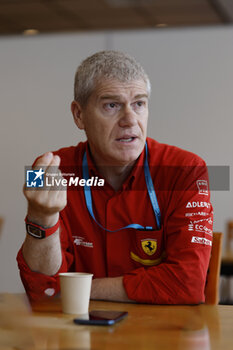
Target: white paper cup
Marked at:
75, 292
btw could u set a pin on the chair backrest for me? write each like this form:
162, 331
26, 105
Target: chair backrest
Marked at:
1, 224
229, 238
212, 281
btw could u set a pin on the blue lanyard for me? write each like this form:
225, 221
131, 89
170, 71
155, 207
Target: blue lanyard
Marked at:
150, 189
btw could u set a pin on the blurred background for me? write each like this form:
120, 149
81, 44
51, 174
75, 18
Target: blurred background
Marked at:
186, 47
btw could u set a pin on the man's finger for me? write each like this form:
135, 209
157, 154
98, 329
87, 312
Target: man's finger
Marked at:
53, 165
43, 161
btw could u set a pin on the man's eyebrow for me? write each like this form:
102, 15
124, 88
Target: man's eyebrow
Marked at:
110, 97
141, 96
117, 97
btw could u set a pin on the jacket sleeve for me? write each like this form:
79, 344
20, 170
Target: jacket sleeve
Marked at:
187, 228
37, 285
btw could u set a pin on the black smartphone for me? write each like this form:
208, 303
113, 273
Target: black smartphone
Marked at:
102, 318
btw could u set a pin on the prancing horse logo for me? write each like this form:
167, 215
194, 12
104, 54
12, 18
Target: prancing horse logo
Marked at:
149, 246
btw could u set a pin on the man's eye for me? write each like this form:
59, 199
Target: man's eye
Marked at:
140, 103
111, 105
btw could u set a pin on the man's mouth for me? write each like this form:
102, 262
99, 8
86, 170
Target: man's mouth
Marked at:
126, 139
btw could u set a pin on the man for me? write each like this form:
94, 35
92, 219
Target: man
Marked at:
146, 234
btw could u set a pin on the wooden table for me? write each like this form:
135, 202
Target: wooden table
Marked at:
146, 327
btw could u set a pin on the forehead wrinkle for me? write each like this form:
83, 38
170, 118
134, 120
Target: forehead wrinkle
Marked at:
112, 89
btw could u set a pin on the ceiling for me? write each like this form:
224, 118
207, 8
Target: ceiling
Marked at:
51, 16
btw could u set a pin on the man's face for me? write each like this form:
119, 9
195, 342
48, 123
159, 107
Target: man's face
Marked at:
115, 121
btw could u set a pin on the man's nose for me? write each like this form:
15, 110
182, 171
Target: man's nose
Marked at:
128, 117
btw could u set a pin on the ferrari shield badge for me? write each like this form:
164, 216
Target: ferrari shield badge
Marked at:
149, 246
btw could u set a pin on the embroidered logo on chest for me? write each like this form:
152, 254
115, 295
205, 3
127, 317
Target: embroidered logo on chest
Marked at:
149, 246
81, 241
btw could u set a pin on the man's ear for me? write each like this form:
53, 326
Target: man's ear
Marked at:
76, 110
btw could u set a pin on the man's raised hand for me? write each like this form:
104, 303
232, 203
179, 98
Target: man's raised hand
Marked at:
44, 205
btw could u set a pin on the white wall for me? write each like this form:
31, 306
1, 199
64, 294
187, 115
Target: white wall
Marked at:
191, 107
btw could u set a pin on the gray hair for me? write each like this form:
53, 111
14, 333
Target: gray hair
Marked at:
106, 65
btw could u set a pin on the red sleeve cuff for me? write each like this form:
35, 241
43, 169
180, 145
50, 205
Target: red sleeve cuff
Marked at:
134, 284
37, 285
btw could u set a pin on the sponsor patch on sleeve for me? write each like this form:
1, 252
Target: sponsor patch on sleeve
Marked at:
201, 240
198, 213
202, 225
198, 204
202, 186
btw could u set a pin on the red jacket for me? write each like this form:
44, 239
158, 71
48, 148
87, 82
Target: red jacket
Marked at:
165, 266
